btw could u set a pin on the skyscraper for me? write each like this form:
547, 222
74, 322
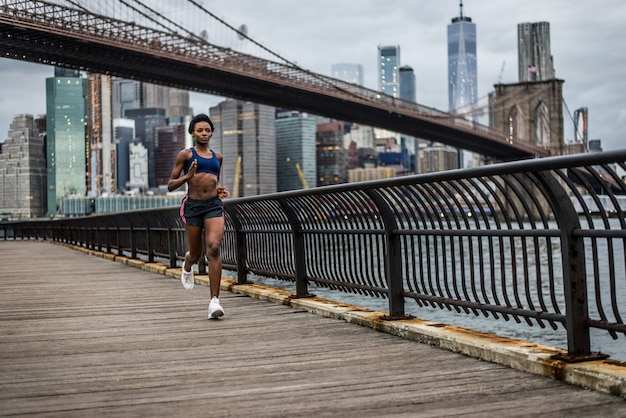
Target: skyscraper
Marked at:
351, 73
23, 170
138, 166
66, 137
438, 158
146, 120
101, 163
462, 77
133, 94
126, 94
407, 83
331, 154
245, 134
389, 83
124, 134
533, 52
168, 141
178, 103
389, 70
295, 151
408, 144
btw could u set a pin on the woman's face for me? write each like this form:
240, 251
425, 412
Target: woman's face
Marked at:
202, 130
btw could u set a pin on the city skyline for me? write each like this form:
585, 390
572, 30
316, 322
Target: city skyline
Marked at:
587, 51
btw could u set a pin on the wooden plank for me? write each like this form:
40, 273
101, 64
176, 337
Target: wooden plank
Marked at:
84, 336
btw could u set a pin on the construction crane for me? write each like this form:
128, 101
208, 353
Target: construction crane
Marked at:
501, 71
305, 184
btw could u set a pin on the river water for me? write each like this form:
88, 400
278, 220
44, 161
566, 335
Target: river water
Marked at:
601, 341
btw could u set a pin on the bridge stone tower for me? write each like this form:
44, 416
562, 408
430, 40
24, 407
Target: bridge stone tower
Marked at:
530, 112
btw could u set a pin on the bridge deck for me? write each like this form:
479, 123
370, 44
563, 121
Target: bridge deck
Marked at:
84, 336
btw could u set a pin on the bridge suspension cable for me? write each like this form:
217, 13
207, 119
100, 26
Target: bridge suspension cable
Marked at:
182, 27
242, 34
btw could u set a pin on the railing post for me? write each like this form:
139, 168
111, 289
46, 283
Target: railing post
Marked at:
119, 241
84, 238
171, 243
133, 242
240, 244
110, 231
98, 238
574, 269
393, 257
149, 243
299, 258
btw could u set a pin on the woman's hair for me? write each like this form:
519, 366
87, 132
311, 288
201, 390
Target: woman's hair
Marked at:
199, 118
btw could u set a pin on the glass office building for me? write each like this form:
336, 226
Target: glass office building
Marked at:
389, 70
407, 84
67, 146
295, 151
124, 134
408, 144
462, 75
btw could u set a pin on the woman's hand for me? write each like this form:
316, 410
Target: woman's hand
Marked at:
192, 169
222, 193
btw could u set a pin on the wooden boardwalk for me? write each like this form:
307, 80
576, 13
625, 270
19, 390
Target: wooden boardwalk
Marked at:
83, 336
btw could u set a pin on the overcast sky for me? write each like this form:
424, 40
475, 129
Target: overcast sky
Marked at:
587, 43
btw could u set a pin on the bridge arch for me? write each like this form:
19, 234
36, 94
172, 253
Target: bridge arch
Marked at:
542, 126
516, 124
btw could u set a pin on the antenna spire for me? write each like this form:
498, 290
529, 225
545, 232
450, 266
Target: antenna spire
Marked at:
461, 6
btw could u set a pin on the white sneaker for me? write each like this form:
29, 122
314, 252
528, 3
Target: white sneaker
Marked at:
215, 309
187, 278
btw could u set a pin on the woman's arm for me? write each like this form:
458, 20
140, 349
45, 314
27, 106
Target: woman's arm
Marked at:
222, 193
176, 180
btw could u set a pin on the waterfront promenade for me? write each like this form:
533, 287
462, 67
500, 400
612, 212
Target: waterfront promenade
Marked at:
88, 335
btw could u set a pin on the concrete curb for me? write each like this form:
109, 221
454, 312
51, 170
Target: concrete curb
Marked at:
607, 375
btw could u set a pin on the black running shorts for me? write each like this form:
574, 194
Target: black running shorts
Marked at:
194, 212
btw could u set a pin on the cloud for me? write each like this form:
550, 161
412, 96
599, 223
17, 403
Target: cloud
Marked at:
23, 90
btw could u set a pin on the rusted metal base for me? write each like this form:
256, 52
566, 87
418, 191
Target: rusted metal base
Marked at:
396, 317
579, 358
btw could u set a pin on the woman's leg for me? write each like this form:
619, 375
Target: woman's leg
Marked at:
194, 241
213, 234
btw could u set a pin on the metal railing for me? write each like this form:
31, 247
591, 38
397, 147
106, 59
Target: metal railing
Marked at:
541, 241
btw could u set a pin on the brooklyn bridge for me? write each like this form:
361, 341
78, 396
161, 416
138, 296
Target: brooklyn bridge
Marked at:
153, 48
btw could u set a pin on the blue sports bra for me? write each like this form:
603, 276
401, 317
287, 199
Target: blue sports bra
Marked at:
205, 165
